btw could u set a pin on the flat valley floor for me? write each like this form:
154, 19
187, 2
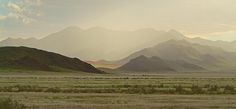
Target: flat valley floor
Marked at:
51, 90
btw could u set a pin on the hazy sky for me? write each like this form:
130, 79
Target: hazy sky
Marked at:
212, 19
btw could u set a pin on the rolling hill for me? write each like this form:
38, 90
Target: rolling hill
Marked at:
35, 59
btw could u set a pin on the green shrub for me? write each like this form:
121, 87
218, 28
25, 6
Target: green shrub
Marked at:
228, 89
196, 89
179, 89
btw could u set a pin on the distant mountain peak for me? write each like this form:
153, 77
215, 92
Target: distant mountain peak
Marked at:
155, 58
176, 33
10, 38
71, 29
173, 31
174, 42
141, 57
198, 38
98, 28
147, 30
13, 39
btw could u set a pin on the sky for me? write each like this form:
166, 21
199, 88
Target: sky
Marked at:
210, 19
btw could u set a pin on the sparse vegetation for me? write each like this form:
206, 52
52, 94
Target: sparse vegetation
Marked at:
7, 103
125, 89
133, 91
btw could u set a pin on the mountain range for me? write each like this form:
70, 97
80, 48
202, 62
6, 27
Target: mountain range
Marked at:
96, 43
119, 49
34, 59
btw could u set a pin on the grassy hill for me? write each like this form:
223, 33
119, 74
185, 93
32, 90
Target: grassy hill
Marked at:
35, 59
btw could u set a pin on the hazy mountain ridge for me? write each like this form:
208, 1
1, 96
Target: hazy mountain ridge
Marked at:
229, 46
177, 52
96, 43
35, 59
